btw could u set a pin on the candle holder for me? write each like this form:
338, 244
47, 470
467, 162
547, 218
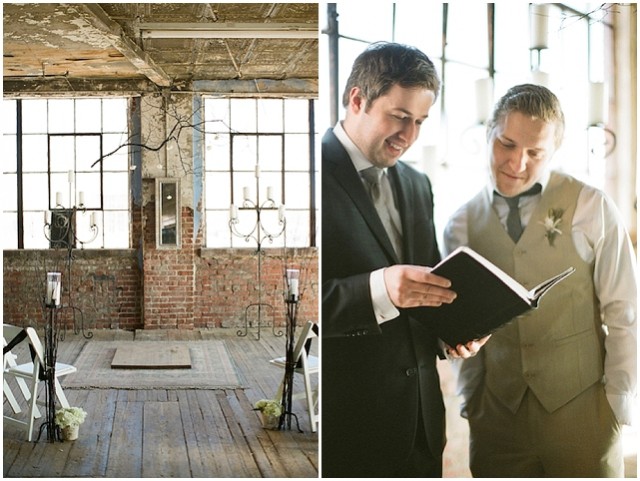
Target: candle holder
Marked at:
61, 232
259, 233
292, 297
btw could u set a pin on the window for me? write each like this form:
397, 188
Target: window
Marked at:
452, 144
255, 147
52, 158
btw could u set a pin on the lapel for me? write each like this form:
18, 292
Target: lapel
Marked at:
346, 176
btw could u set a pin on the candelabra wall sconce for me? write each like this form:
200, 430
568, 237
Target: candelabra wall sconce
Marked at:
60, 229
260, 233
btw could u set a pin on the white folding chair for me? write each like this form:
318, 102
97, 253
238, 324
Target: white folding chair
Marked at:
27, 375
306, 365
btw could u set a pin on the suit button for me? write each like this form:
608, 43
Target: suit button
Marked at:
411, 372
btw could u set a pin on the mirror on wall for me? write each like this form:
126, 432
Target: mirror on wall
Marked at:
168, 212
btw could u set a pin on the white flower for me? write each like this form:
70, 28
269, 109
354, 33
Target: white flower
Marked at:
551, 223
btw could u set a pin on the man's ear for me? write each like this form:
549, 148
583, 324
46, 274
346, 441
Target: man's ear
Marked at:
357, 102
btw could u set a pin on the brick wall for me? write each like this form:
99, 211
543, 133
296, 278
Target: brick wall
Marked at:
150, 288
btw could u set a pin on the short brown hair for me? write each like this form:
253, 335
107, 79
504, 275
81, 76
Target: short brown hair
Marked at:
384, 64
533, 100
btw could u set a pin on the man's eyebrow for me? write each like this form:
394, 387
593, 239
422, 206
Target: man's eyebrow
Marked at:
408, 112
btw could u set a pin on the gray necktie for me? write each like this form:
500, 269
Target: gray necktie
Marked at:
382, 197
514, 225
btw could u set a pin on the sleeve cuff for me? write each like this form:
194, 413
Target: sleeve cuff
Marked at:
382, 305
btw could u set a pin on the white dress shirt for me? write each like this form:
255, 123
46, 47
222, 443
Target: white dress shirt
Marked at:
382, 305
601, 240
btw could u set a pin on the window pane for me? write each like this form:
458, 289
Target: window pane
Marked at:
9, 159
116, 191
297, 190
34, 116
297, 228
34, 153
34, 237
270, 152
296, 115
62, 153
9, 119
243, 115
116, 229
422, 31
218, 191
10, 230
85, 234
87, 153
511, 45
114, 144
297, 152
217, 152
245, 152
216, 115
35, 192
9, 192
60, 189
90, 185
61, 116
114, 115
217, 227
468, 21
269, 115
88, 115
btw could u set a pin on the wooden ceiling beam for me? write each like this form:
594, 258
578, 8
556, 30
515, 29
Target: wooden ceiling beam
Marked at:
98, 18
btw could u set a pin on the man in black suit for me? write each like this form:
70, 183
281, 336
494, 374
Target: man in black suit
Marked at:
382, 408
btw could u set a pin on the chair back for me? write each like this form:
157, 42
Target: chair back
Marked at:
306, 333
10, 333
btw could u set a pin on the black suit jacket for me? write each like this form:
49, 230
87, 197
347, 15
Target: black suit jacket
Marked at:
376, 379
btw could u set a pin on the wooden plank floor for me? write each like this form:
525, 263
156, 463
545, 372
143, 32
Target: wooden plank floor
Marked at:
172, 432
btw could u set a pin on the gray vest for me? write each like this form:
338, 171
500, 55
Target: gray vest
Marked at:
557, 350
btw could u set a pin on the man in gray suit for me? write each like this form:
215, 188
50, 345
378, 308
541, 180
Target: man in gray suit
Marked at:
550, 391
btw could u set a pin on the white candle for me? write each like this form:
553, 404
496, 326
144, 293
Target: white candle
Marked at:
58, 198
93, 219
269, 193
293, 276
71, 176
233, 212
538, 26
47, 220
257, 171
81, 198
597, 97
245, 193
281, 212
484, 99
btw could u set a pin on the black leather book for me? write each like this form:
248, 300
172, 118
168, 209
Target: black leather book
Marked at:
487, 298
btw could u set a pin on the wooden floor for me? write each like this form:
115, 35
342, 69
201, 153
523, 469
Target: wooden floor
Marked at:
174, 433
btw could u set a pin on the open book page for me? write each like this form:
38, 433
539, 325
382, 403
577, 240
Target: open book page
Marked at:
514, 285
537, 292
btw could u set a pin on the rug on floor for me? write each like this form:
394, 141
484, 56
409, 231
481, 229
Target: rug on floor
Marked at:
211, 368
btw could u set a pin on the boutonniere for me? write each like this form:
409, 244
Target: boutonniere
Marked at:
551, 223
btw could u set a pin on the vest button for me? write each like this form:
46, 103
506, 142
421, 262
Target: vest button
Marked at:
529, 375
411, 372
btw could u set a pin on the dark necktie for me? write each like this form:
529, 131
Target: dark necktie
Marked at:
382, 197
514, 225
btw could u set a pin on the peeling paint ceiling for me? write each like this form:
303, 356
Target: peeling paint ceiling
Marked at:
49, 44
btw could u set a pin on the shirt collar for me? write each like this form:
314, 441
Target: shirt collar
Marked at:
360, 162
